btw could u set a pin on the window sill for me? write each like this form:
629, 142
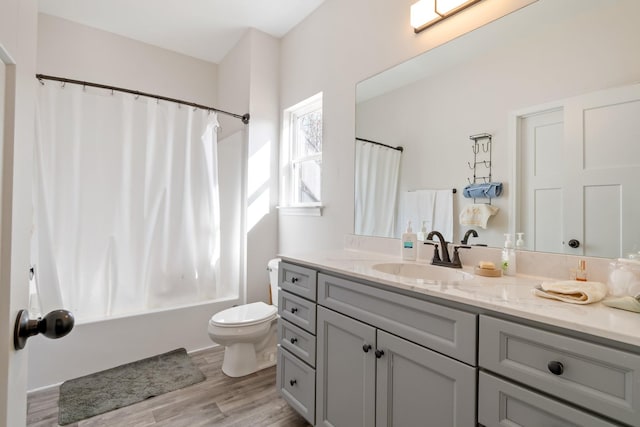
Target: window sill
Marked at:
301, 210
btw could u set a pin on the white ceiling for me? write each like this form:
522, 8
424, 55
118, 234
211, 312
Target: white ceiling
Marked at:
205, 29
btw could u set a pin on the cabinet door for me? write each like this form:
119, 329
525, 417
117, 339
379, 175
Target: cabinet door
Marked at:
419, 387
345, 385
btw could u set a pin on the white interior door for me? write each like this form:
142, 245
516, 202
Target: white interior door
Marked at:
541, 171
579, 171
13, 252
603, 137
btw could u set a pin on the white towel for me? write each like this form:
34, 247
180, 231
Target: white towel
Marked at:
434, 207
477, 214
572, 291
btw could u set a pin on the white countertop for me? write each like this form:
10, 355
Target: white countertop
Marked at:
508, 294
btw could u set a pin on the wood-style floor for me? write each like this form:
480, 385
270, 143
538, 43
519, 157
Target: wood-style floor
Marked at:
217, 401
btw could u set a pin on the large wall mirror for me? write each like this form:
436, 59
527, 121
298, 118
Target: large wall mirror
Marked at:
498, 80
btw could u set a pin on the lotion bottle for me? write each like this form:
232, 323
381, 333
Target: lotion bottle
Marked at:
409, 244
508, 257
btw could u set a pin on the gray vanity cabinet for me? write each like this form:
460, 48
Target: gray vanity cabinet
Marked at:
590, 377
296, 374
368, 376
346, 370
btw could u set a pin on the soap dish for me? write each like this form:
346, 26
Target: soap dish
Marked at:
496, 272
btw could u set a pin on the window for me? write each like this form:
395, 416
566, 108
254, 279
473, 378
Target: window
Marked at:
302, 157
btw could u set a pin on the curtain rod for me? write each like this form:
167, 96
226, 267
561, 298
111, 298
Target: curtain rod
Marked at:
399, 148
244, 117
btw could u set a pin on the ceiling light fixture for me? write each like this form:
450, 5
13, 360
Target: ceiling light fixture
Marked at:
426, 13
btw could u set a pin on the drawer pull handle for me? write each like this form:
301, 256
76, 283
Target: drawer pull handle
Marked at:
294, 310
294, 279
293, 382
366, 348
555, 367
379, 353
294, 340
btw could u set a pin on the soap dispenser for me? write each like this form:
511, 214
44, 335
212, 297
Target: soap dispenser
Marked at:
409, 244
508, 257
422, 235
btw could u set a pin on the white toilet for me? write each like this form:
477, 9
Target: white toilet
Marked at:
248, 332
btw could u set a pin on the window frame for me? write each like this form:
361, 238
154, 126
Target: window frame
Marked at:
290, 161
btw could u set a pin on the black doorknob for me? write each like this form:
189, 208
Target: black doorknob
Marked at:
366, 348
294, 340
555, 367
573, 243
294, 310
293, 382
294, 279
56, 324
379, 353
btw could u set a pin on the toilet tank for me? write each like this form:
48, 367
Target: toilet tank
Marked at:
272, 267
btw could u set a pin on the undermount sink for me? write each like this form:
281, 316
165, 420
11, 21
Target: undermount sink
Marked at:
422, 271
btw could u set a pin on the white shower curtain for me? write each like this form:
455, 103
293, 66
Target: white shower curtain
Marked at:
126, 202
376, 187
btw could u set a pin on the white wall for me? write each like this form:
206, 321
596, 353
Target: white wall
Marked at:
248, 81
545, 58
262, 171
68, 49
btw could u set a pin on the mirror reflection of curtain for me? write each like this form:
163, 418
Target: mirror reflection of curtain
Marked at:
126, 202
376, 187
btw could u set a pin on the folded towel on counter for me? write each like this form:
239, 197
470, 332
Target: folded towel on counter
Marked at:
628, 303
485, 190
477, 214
572, 291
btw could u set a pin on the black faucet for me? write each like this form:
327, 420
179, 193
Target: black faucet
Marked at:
470, 232
445, 260
445, 251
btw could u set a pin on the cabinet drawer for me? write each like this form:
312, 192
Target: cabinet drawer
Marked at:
296, 382
602, 379
443, 329
501, 403
298, 311
298, 280
297, 341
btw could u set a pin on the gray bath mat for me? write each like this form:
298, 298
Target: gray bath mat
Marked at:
124, 385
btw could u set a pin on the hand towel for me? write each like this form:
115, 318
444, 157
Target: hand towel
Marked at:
572, 291
433, 207
485, 190
477, 214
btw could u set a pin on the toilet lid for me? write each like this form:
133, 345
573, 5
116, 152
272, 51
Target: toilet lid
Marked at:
244, 315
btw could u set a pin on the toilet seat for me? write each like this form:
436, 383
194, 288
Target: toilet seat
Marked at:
244, 315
